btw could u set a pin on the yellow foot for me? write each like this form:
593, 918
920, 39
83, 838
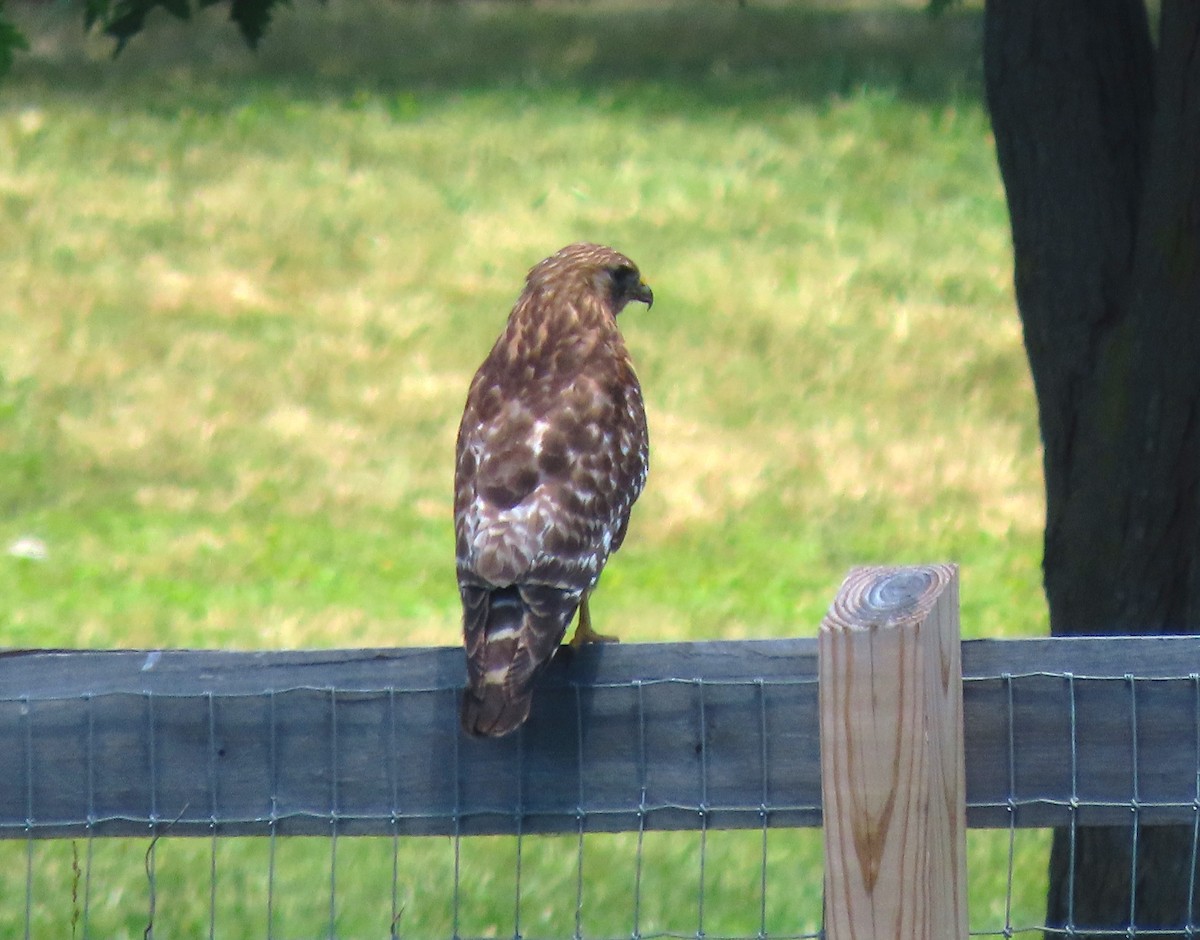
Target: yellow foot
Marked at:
584, 632
591, 636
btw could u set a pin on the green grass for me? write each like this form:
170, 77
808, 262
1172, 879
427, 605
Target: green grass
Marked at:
244, 296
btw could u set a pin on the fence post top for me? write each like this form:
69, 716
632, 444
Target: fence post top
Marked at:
875, 596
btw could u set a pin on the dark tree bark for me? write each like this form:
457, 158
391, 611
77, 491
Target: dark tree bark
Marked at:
1098, 139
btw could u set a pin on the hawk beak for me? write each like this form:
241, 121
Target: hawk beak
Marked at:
644, 294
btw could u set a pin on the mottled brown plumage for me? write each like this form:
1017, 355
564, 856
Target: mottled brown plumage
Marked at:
552, 453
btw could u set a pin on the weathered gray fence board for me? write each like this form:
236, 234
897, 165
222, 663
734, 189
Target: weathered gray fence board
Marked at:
662, 736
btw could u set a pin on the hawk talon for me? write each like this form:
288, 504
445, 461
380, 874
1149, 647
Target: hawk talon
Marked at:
584, 632
582, 637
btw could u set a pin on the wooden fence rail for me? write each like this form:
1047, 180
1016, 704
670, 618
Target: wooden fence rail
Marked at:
660, 736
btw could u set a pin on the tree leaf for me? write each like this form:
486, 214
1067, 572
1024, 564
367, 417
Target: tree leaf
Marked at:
95, 11
252, 17
11, 39
124, 19
180, 9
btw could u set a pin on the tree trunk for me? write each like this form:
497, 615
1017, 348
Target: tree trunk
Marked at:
1098, 140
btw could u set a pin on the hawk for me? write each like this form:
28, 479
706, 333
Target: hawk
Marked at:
552, 452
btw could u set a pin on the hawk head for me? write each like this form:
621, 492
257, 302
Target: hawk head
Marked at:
593, 269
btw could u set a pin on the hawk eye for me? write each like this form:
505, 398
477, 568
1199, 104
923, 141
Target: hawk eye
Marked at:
625, 279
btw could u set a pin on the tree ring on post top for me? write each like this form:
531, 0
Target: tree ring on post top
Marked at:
875, 596
898, 590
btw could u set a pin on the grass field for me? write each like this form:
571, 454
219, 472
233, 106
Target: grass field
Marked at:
244, 296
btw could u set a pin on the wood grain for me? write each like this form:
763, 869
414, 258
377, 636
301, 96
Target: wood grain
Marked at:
892, 775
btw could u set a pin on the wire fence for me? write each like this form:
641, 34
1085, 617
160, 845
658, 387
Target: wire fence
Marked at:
1117, 756
658, 791
541, 886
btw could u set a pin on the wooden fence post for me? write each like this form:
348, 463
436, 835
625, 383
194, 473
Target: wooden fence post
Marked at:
892, 768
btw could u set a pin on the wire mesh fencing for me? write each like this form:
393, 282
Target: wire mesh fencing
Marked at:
620, 810
371, 887
1102, 741
658, 791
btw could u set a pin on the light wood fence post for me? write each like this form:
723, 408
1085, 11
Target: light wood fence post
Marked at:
892, 768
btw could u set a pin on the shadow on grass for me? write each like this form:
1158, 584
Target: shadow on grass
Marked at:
701, 50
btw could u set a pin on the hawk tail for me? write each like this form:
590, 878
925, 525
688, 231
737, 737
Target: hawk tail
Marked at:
494, 704
490, 712
508, 644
